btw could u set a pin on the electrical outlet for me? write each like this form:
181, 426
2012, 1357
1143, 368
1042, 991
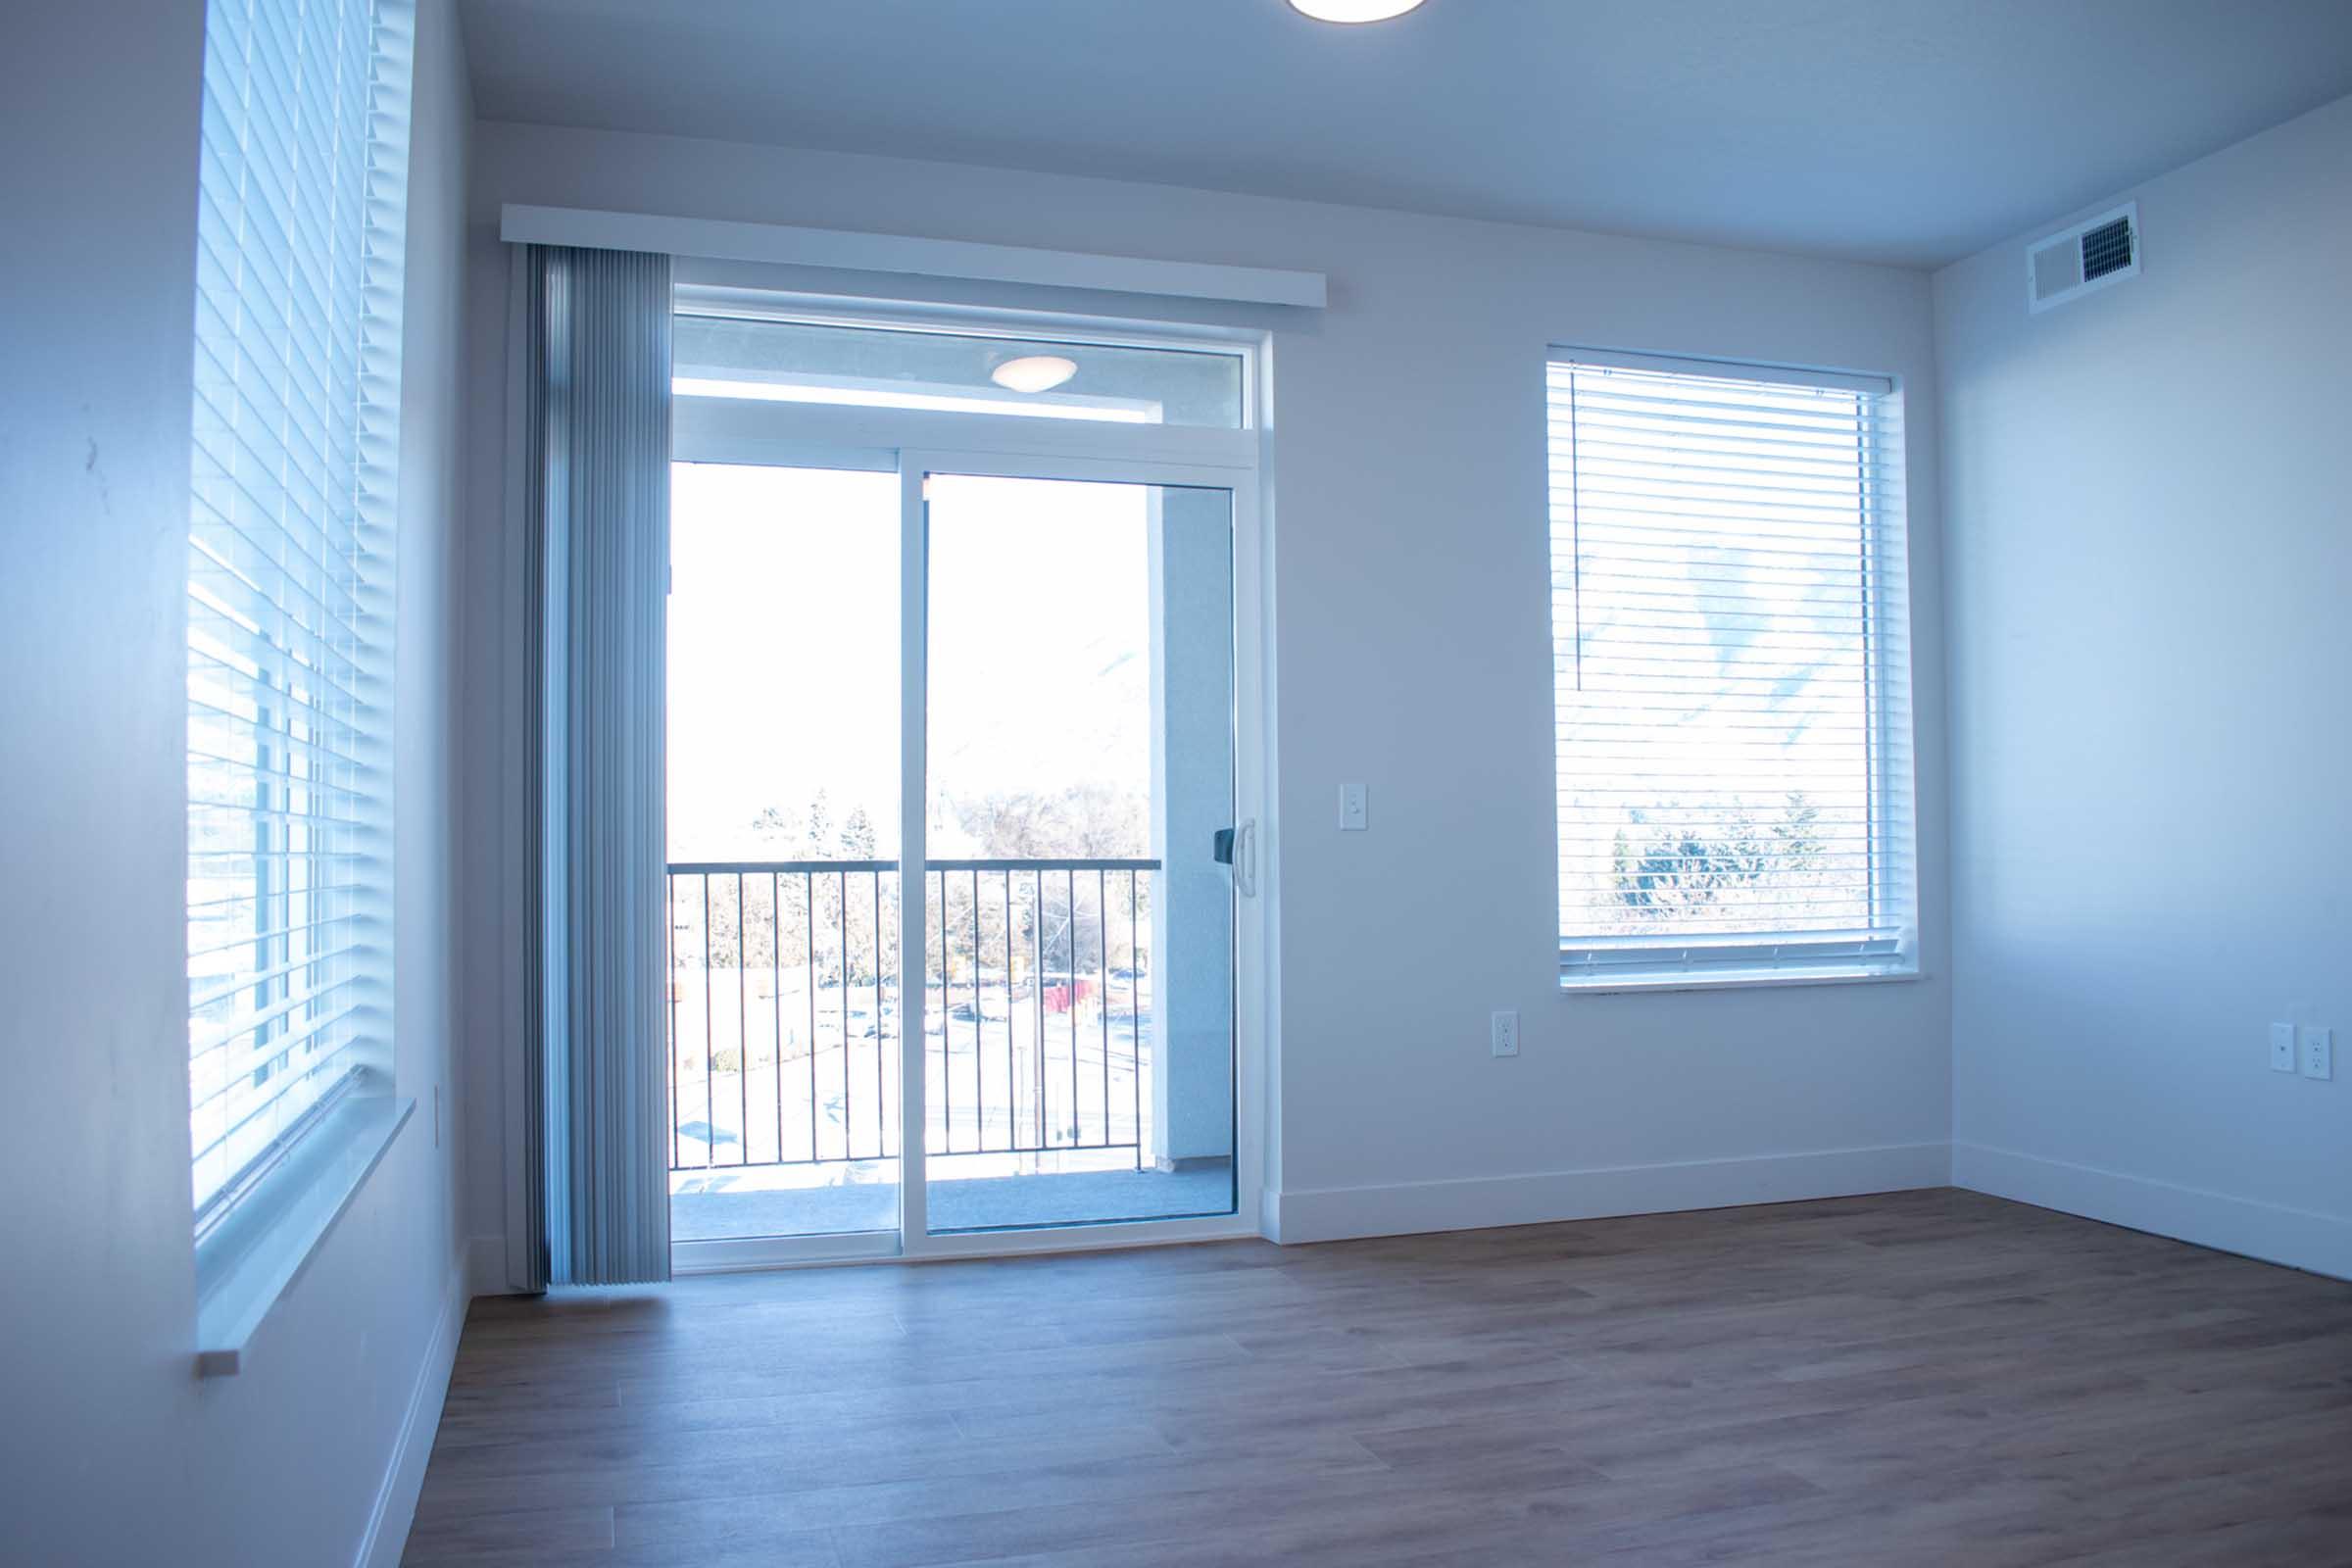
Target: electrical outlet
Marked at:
2283, 1047
1352, 812
2319, 1052
1506, 1034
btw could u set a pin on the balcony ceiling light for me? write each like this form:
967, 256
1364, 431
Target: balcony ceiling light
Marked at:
1034, 373
1353, 11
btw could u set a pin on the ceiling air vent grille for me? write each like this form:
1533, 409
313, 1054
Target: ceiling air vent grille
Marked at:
2107, 249
2088, 255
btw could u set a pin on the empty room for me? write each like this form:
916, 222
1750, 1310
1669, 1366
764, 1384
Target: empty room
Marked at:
1162, 783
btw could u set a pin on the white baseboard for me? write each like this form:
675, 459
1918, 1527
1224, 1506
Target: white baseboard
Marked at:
387, 1533
1333, 1213
2272, 1232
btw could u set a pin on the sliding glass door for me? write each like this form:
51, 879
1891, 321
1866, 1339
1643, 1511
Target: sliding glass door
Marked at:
1078, 1042
959, 780
783, 790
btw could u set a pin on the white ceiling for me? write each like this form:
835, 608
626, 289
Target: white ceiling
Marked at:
1903, 130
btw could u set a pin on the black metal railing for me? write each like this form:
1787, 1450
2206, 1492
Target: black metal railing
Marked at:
784, 1018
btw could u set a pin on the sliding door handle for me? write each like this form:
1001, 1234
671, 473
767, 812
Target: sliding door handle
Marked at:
1237, 847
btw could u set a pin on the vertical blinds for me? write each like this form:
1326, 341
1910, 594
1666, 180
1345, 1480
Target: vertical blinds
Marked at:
300, 227
1731, 672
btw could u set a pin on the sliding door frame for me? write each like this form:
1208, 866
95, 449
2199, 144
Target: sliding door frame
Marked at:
915, 444
916, 466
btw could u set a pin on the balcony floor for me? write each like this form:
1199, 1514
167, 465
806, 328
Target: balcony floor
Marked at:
986, 1202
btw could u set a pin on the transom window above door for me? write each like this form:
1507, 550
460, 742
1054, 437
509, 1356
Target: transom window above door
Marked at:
721, 355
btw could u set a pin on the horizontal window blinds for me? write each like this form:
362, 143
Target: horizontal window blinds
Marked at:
302, 188
1731, 666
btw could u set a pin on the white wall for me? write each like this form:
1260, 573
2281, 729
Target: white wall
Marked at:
1411, 622
111, 1451
2149, 556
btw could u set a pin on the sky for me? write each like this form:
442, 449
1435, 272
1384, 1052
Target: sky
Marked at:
784, 669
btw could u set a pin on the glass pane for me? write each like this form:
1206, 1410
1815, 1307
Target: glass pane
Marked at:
1079, 1021
797, 361
1719, 733
783, 834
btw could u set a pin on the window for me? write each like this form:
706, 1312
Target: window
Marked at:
290, 555
871, 365
1731, 674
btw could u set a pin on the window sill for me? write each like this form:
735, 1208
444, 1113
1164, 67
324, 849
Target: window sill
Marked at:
249, 1265
1730, 980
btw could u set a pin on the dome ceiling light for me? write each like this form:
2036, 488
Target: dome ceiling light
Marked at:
1034, 373
1353, 10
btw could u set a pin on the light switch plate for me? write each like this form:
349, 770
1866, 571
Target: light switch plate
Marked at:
2319, 1052
2283, 1047
1355, 815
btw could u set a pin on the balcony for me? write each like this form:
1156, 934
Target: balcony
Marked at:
1039, 1067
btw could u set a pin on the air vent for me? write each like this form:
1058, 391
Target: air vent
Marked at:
2088, 255
2107, 249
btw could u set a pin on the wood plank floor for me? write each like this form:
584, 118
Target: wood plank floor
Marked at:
1920, 1378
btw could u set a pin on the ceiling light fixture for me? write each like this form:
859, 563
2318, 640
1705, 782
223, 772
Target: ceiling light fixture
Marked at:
1353, 10
1034, 373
